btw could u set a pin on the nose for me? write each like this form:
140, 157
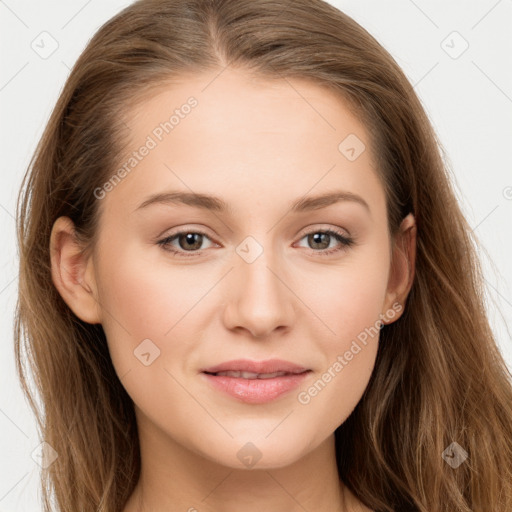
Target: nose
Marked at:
260, 298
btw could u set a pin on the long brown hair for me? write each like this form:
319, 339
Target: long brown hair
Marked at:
439, 376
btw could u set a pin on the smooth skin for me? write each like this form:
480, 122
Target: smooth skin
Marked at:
258, 145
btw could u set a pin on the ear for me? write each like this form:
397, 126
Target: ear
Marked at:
401, 276
72, 272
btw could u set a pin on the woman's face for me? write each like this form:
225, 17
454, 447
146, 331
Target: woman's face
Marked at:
257, 277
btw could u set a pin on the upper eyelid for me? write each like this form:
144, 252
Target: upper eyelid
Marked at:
304, 232
308, 229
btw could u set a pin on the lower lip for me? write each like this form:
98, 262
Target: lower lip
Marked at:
256, 391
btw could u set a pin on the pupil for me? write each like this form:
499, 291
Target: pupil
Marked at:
189, 237
317, 239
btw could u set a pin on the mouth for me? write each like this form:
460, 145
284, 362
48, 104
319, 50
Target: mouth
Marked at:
252, 375
255, 387
252, 369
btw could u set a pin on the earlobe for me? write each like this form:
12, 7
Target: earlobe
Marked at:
403, 263
72, 272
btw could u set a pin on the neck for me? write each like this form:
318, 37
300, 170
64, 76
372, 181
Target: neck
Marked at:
174, 478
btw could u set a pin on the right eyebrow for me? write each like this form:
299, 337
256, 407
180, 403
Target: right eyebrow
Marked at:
204, 201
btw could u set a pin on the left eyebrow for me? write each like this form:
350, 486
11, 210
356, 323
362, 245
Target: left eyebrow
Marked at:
216, 204
324, 200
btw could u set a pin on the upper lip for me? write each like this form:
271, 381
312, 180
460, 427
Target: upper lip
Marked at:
246, 365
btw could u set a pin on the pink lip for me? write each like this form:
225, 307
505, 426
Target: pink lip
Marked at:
256, 391
246, 365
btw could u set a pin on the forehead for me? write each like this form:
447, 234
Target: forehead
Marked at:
233, 104
218, 132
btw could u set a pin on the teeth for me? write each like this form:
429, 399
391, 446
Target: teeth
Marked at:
251, 375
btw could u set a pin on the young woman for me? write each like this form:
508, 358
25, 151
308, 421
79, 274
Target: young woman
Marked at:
245, 281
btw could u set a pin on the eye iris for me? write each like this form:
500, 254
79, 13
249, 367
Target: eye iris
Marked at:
189, 238
316, 239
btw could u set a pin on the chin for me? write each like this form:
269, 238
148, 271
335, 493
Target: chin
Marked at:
258, 454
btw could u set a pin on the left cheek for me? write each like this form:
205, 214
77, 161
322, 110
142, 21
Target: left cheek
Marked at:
353, 304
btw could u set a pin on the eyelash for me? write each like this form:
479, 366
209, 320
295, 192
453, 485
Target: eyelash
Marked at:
345, 241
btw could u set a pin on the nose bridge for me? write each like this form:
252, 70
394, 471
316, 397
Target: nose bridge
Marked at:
260, 302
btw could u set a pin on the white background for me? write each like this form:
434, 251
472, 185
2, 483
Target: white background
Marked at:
468, 99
